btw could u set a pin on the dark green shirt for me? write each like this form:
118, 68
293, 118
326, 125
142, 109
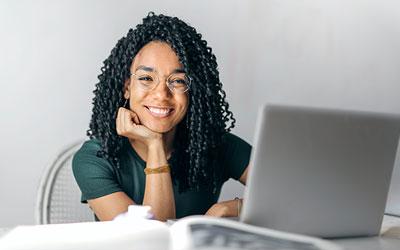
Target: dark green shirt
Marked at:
96, 177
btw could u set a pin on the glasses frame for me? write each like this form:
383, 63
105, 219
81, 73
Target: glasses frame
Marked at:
166, 82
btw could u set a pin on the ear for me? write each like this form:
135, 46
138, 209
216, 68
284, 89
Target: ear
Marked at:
127, 88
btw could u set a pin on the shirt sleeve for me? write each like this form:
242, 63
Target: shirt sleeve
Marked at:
235, 156
95, 176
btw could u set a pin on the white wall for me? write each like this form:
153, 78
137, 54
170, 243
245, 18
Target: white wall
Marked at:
338, 53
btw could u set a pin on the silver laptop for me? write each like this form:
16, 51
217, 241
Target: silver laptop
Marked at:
320, 172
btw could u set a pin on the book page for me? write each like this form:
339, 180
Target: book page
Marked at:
206, 236
202, 233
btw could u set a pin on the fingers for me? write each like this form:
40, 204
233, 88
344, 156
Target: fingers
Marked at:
123, 125
118, 121
135, 117
120, 124
126, 119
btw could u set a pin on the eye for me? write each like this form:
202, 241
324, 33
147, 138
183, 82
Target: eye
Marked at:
179, 81
145, 78
176, 81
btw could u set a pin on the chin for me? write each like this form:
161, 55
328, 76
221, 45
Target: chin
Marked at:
159, 128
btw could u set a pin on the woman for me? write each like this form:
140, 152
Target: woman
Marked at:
159, 134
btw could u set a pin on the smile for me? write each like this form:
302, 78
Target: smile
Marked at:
159, 112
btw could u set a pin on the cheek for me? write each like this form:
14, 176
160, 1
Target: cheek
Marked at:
183, 102
183, 108
135, 99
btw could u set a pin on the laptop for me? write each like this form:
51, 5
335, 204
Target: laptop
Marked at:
320, 172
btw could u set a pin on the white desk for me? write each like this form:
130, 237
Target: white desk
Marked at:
374, 243
4, 230
388, 240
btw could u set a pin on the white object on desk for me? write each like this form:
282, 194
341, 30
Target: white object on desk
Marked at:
143, 234
135, 212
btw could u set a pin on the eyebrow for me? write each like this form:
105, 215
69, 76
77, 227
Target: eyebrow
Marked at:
145, 68
150, 69
179, 71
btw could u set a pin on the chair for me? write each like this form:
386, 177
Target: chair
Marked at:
58, 199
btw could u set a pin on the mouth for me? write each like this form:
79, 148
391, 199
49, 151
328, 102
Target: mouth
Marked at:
160, 112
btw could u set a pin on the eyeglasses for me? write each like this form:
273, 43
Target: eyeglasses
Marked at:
176, 82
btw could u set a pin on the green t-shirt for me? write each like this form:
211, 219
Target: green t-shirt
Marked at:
96, 177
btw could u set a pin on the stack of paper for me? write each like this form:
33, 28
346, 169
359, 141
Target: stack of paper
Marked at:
141, 234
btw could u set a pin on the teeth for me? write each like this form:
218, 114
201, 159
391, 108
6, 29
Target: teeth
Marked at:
159, 111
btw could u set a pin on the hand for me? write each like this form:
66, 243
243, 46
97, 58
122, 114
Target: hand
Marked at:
224, 209
128, 125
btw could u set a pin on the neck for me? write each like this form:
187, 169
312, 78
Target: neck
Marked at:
168, 140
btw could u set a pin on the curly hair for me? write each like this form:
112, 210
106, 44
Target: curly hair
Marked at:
208, 116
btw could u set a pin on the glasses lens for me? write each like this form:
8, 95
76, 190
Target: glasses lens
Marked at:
146, 80
179, 83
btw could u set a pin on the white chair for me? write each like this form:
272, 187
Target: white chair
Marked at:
58, 199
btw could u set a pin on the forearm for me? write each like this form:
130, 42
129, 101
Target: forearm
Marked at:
230, 208
233, 207
158, 190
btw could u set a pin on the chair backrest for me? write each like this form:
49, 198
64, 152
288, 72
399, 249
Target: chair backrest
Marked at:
58, 199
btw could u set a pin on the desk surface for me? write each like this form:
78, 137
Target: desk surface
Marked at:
4, 231
388, 240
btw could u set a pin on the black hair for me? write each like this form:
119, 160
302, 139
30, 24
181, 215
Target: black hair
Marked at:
208, 116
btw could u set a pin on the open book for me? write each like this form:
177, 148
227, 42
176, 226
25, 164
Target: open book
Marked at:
195, 232
203, 233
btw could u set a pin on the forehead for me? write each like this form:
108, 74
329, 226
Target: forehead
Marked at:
157, 55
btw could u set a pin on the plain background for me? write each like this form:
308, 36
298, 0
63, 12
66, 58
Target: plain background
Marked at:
338, 53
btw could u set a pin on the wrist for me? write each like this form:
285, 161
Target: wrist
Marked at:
156, 156
229, 208
223, 209
238, 205
155, 144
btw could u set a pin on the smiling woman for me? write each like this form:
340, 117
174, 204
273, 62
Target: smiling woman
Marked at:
159, 107
159, 133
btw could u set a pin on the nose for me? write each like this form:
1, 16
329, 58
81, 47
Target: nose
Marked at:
162, 90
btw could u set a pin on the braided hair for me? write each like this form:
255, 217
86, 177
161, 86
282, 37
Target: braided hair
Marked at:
208, 117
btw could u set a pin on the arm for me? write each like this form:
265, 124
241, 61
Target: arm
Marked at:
243, 178
96, 180
158, 193
228, 208
158, 190
109, 206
